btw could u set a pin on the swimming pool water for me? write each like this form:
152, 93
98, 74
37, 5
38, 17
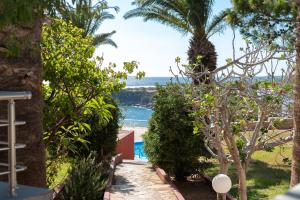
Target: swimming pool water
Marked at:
139, 151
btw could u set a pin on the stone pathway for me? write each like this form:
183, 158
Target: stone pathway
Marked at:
136, 180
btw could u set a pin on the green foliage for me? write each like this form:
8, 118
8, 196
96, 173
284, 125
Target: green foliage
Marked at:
241, 145
268, 175
25, 12
87, 180
76, 87
244, 101
265, 20
25, 9
103, 136
183, 15
57, 171
170, 142
88, 16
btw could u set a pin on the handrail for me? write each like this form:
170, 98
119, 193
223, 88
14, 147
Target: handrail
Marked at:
7, 95
11, 145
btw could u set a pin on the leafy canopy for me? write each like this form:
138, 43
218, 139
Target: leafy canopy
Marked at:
191, 16
75, 85
89, 16
265, 19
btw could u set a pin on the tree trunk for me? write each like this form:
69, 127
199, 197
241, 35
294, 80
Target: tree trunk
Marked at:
224, 165
242, 184
201, 46
21, 70
231, 144
295, 176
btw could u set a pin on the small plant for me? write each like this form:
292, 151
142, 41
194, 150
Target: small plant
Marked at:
87, 180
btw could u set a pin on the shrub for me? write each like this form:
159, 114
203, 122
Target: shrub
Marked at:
170, 142
87, 180
103, 136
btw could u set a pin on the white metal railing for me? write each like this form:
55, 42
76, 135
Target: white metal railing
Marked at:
10, 145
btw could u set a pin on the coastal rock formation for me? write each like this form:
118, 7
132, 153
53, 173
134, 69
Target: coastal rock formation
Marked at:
136, 96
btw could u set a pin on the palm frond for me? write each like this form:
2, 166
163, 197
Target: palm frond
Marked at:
177, 6
190, 15
109, 42
97, 21
218, 23
88, 16
104, 38
162, 15
199, 12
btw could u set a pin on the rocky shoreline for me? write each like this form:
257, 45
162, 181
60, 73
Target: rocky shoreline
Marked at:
136, 96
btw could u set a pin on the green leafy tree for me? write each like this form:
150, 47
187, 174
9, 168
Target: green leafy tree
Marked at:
265, 20
235, 111
78, 89
186, 16
170, 142
269, 20
88, 16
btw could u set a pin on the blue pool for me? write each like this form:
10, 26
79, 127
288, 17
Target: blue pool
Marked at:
139, 152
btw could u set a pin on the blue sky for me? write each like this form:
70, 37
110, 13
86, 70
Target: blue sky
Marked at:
153, 45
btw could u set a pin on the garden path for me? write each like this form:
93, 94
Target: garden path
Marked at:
136, 180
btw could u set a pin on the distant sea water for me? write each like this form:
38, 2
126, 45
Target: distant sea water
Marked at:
149, 81
152, 81
139, 116
135, 116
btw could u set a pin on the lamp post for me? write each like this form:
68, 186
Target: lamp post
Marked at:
221, 184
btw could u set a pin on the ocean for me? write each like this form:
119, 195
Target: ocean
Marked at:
139, 116
135, 116
149, 81
152, 81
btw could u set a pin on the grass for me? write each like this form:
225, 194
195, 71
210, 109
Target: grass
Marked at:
267, 177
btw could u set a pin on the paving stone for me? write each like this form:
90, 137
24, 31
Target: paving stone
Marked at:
136, 180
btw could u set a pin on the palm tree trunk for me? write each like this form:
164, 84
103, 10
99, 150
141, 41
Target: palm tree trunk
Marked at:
21, 69
200, 46
295, 176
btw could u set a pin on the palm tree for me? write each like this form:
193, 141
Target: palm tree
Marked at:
21, 70
186, 16
89, 17
295, 176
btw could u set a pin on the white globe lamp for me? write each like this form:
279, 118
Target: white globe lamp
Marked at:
221, 183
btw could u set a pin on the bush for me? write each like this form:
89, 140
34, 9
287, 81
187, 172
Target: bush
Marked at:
170, 142
103, 136
87, 180
101, 139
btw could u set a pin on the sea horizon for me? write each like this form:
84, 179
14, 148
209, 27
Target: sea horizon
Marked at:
152, 81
